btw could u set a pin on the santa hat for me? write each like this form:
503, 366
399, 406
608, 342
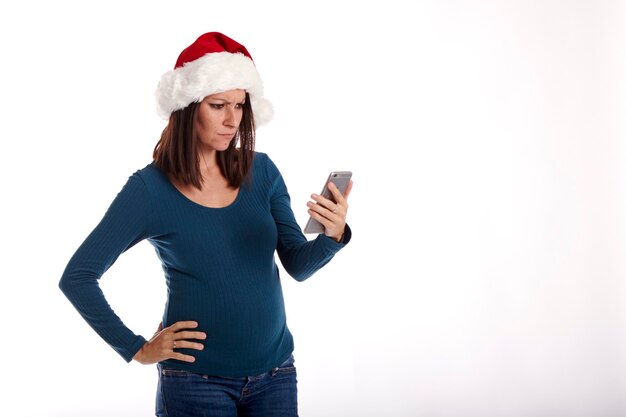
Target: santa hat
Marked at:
214, 63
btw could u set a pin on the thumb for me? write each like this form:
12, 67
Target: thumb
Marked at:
158, 330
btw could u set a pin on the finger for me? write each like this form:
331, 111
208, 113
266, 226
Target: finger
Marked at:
324, 211
348, 190
341, 200
158, 330
323, 220
181, 357
184, 344
324, 202
179, 325
336, 193
189, 335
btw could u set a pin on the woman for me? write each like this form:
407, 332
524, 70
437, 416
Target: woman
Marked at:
215, 212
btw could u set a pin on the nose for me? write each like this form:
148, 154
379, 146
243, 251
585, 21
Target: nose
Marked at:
229, 117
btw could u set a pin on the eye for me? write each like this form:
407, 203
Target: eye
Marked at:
216, 106
240, 105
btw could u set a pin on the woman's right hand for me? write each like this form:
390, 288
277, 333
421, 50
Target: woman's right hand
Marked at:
164, 342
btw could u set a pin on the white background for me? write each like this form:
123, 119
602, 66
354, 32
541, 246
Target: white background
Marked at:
487, 138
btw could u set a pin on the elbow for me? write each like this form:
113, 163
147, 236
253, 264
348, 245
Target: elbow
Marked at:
65, 285
300, 275
303, 272
68, 284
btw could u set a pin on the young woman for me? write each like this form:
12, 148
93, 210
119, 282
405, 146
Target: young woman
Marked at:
216, 212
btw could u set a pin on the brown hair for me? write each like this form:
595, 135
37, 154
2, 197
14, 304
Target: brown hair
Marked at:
176, 153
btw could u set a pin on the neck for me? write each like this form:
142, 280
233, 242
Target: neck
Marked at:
208, 163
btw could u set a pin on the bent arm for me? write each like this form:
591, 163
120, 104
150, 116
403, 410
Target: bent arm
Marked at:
300, 257
126, 222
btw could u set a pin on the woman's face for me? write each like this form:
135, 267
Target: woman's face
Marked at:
218, 119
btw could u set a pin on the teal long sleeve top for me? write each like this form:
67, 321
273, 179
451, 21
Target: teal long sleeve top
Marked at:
219, 266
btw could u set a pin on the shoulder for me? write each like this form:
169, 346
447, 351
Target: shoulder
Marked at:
151, 176
264, 167
263, 162
146, 184
148, 172
265, 174
260, 158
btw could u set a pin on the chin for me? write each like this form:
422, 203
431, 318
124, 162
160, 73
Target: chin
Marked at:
220, 146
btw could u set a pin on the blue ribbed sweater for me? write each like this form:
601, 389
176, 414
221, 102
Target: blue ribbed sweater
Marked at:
219, 267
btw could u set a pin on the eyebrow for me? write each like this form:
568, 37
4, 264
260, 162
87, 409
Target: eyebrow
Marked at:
223, 100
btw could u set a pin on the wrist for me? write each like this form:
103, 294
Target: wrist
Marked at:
338, 238
139, 356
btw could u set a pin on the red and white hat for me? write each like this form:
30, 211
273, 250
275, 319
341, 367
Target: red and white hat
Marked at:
212, 64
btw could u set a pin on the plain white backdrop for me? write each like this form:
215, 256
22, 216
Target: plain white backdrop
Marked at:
486, 275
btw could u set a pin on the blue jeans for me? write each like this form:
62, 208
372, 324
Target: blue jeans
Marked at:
271, 394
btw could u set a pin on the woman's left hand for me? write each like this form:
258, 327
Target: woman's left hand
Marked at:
331, 215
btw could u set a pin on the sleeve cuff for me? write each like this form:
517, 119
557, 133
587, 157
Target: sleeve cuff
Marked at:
130, 354
347, 235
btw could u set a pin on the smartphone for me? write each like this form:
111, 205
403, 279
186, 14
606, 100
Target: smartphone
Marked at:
341, 179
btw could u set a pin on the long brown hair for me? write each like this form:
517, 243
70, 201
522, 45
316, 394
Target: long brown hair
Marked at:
176, 153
